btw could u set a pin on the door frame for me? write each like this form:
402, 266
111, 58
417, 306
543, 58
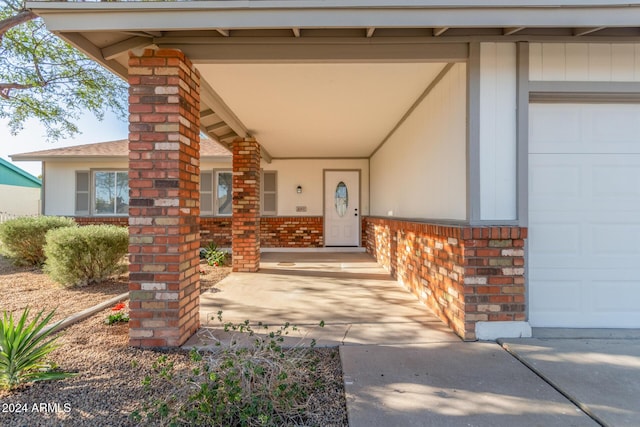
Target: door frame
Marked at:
324, 207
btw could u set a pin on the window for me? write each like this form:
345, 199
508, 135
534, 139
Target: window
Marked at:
269, 192
216, 197
224, 195
111, 192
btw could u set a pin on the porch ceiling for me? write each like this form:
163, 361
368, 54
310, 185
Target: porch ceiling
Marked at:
320, 110
323, 78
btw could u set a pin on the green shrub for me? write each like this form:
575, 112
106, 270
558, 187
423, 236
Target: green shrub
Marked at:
23, 239
85, 255
213, 255
23, 347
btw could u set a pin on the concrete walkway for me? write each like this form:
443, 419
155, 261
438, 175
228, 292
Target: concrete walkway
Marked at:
401, 365
600, 374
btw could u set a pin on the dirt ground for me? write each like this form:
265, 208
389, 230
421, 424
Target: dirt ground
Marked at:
109, 381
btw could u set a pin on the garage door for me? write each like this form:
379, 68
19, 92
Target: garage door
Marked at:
584, 215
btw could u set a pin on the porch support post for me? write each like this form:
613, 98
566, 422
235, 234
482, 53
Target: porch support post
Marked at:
164, 212
246, 205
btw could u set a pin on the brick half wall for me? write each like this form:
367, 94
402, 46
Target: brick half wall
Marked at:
122, 221
275, 232
292, 232
464, 274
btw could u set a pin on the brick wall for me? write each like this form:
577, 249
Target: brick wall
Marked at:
464, 274
275, 232
216, 230
245, 219
164, 213
291, 232
122, 221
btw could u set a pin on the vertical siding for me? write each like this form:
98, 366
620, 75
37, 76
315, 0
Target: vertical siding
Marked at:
603, 62
421, 170
498, 131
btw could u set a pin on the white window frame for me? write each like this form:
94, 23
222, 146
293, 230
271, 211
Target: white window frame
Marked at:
93, 192
213, 210
216, 208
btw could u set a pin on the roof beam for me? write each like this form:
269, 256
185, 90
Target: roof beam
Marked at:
212, 50
212, 100
438, 31
228, 135
215, 126
225, 33
578, 32
148, 34
511, 30
215, 103
116, 49
296, 32
370, 31
206, 113
91, 50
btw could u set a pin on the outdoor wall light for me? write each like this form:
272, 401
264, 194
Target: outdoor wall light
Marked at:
299, 189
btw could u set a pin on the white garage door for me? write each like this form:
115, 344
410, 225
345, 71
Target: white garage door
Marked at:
584, 215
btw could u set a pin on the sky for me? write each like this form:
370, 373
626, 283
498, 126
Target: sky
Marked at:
33, 138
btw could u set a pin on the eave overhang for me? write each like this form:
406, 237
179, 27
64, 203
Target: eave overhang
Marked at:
323, 31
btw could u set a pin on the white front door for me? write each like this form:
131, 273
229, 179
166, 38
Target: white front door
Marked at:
342, 208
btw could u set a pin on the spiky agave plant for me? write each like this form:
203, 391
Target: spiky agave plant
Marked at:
23, 348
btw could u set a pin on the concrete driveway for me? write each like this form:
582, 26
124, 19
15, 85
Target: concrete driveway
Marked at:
402, 366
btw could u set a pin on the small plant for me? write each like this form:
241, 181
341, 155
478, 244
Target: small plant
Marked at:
23, 347
120, 316
85, 255
23, 239
253, 381
213, 255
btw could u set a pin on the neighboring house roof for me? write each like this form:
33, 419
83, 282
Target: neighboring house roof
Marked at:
13, 175
112, 149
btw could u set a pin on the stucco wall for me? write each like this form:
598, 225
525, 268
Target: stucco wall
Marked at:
60, 185
16, 200
421, 170
308, 173
60, 182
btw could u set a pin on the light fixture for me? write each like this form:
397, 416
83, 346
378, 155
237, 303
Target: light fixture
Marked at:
299, 189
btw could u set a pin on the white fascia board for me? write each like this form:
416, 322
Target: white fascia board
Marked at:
173, 16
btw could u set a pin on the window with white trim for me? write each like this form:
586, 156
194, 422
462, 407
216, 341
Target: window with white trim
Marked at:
102, 192
216, 196
111, 192
223, 202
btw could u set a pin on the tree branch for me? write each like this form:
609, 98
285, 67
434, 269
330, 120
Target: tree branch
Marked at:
20, 18
6, 88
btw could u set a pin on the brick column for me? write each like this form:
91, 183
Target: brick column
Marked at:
246, 205
164, 212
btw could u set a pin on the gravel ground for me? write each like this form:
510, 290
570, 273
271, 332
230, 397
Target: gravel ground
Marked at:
108, 385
